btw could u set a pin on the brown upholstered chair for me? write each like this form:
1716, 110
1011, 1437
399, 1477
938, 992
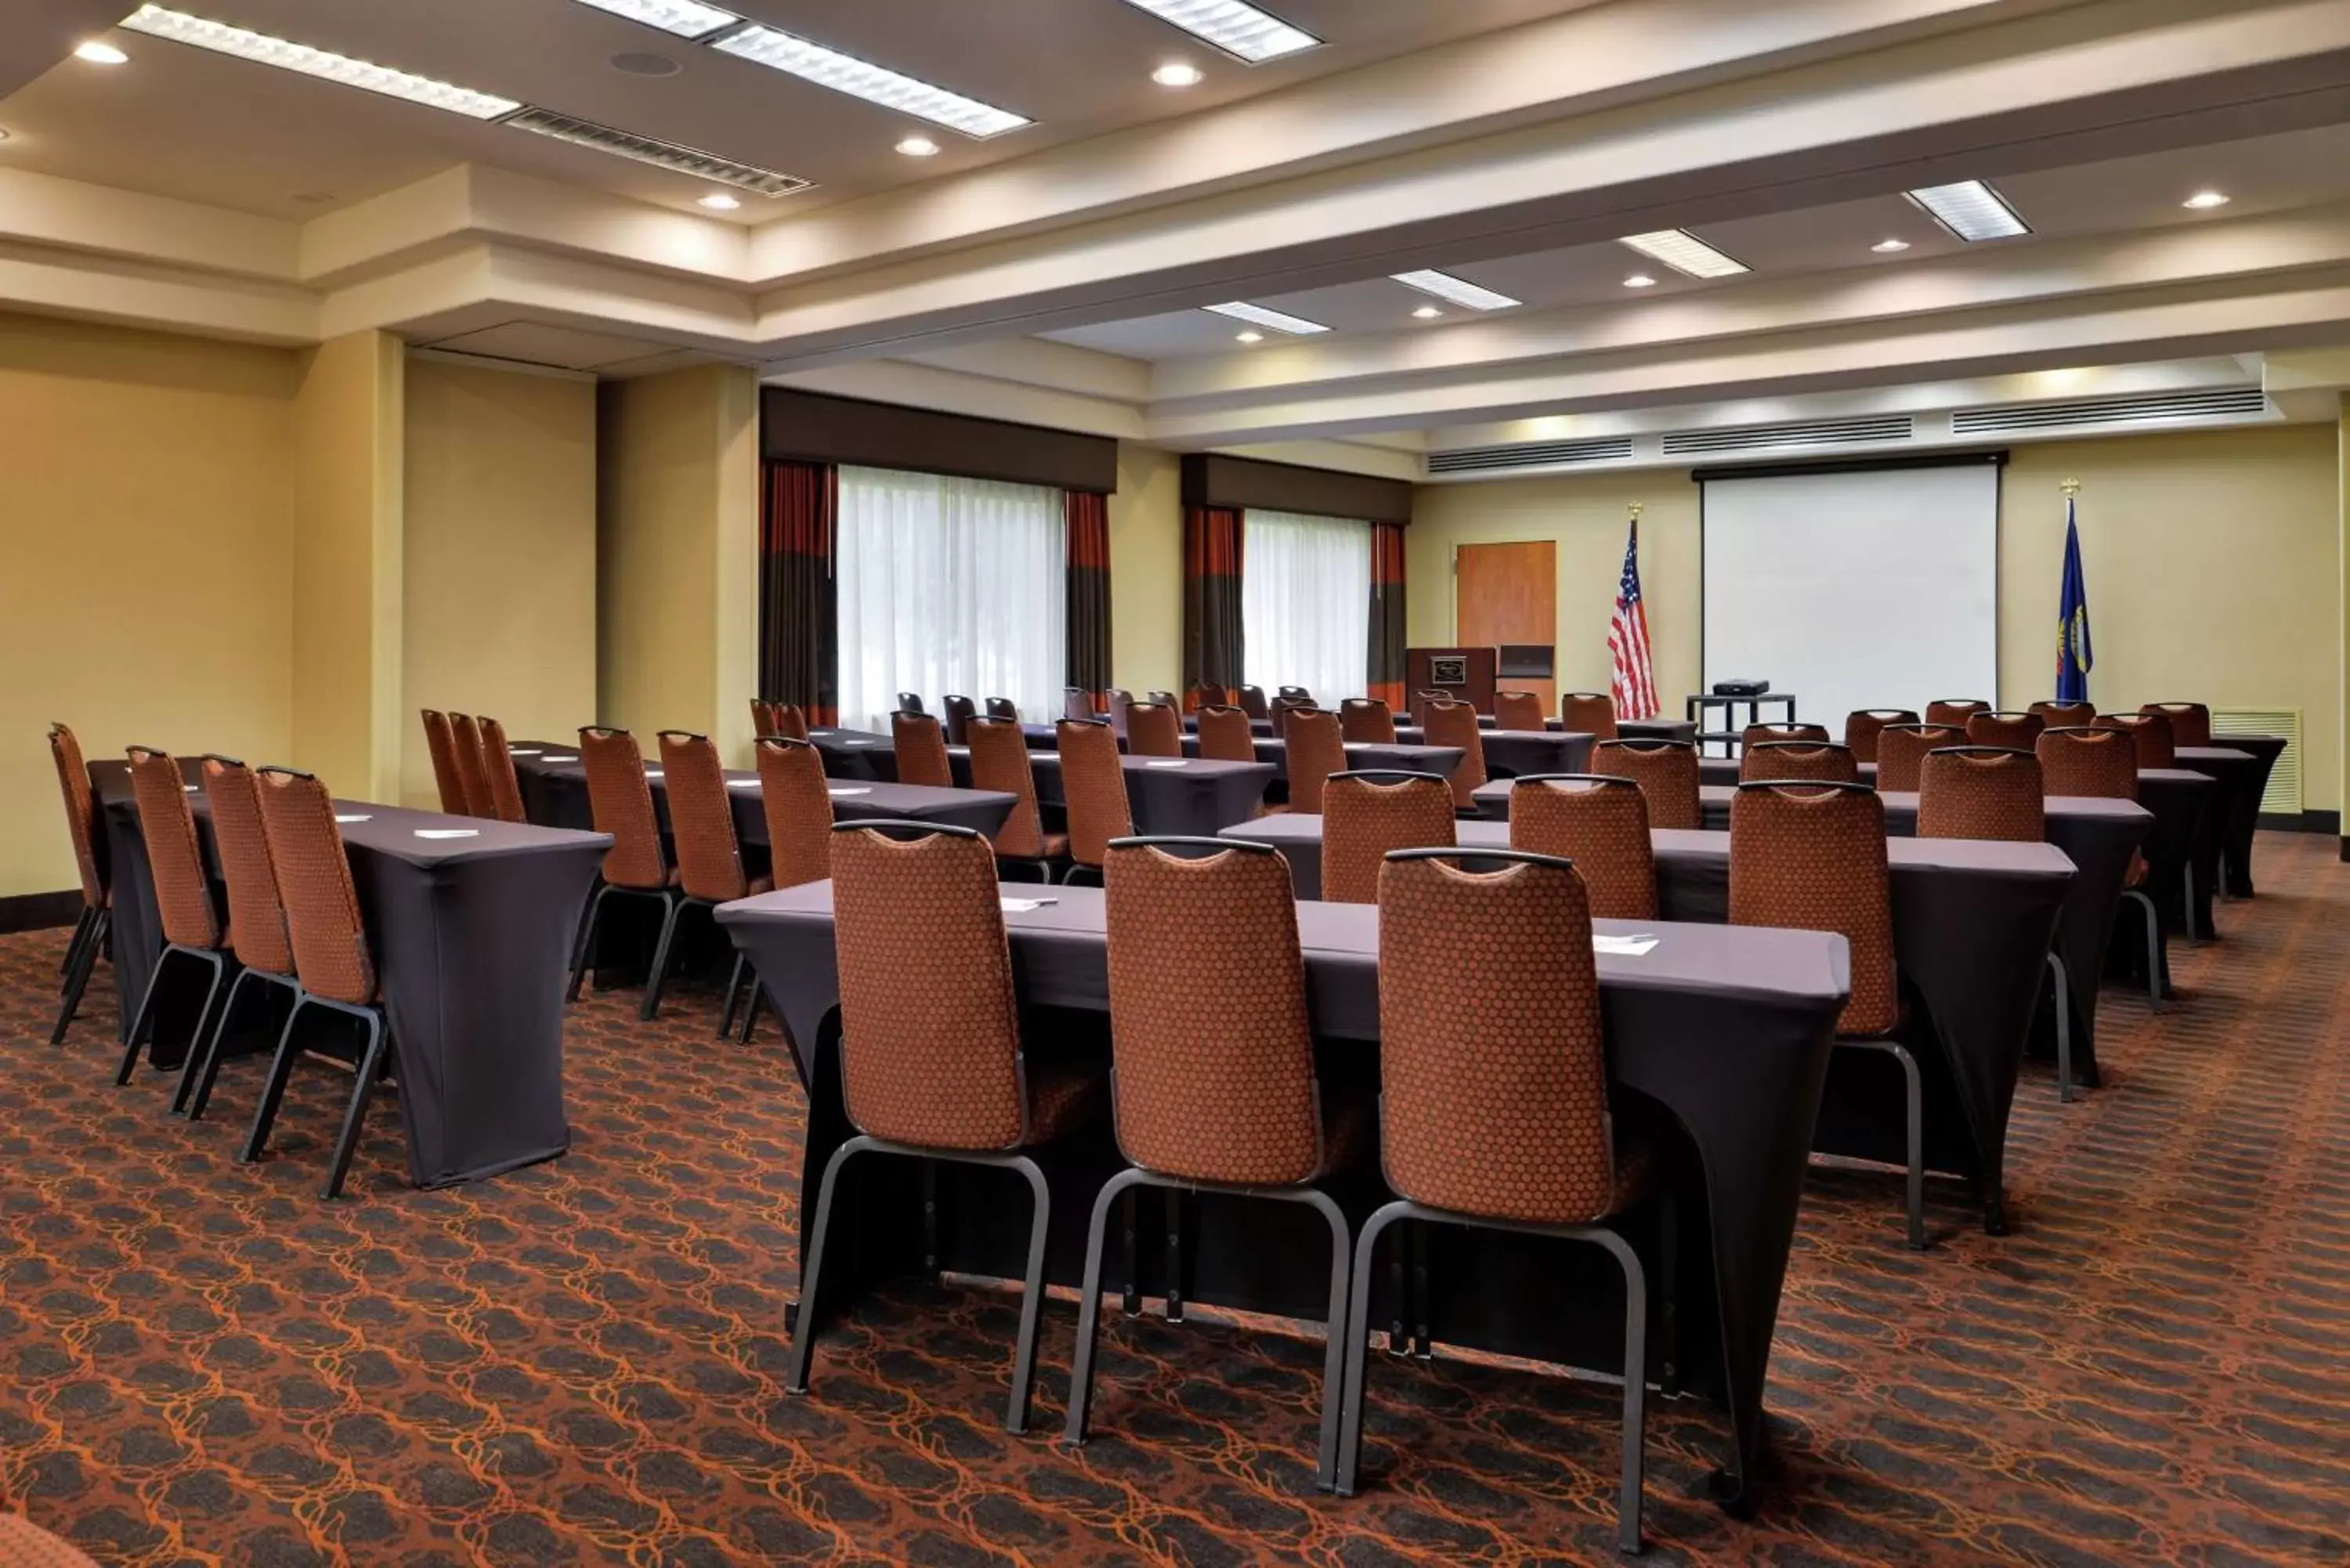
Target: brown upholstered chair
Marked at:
2190, 723
472, 772
2012, 732
2065, 715
960, 712
1494, 1105
24, 1544
1955, 710
193, 931
782, 719
1078, 703
1366, 720
2101, 764
329, 942
1763, 734
1166, 699
1667, 772
1283, 708
1455, 724
1299, 694
1590, 713
497, 764
931, 1059
2149, 731
1004, 707
1251, 701
448, 778
1518, 710
1225, 735
257, 918
97, 921
1862, 728
1774, 761
1120, 700
709, 856
1364, 815
619, 803
1230, 1106
909, 702
1599, 823
999, 761
796, 801
1316, 751
1811, 858
1200, 697
1901, 752
921, 751
1093, 783
1154, 729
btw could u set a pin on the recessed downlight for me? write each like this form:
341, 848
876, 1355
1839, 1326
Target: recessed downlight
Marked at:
1639, 280
1427, 313
2204, 201
917, 147
1249, 337
1179, 74
643, 63
719, 201
1889, 246
99, 53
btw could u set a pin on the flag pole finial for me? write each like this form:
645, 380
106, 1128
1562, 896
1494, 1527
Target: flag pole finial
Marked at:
1637, 510
2071, 488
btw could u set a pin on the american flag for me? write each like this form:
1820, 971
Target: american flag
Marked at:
1635, 683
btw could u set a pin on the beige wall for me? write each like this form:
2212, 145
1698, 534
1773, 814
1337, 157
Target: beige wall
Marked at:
1146, 570
146, 544
499, 592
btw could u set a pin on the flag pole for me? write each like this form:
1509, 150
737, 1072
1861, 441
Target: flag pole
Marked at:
2071, 488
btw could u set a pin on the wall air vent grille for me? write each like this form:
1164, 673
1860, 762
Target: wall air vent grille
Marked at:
661, 154
1865, 430
2227, 403
1530, 454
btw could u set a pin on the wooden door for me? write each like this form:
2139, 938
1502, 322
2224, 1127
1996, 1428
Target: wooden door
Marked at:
1509, 594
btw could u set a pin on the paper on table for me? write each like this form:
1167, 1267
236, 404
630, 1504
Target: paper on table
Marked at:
1025, 906
525, 751
1623, 947
448, 833
853, 789
652, 772
866, 742
559, 758
1169, 762
742, 784
361, 816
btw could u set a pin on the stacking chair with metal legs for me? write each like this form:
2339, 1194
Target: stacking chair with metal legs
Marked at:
709, 857
960, 712
1450, 723
1955, 710
999, 761
95, 925
2016, 731
497, 767
2065, 715
1368, 814
1901, 753
473, 771
919, 746
619, 803
1601, 823
1667, 772
193, 927
1154, 729
1518, 710
2102, 763
1225, 735
1093, 783
1590, 713
1366, 720
447, 779
2157, 747
1768, 762
798, 804
257, 918
1863, 726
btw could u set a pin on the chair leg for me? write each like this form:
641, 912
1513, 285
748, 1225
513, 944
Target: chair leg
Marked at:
2187, 891
1129, 1218
1032, 1299
2063, 984
751, 1012
347, 1144
2154, 965
203, 1093
203, 1055
733, 990
1081, 1366
140, 1020
1358, 1333
650, 1008
1335, 1358
273, 1092
1174, 1255
73, 945
1914, 1096
795, 1366
1636, 1389
77, 977
586, 947
1669, 1280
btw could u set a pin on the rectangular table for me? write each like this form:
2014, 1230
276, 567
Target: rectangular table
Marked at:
1176, 795
2239, 777
1437, 762
1973, 922
1517, 752
471, 941
2244, 820
1728, 1029
555, 793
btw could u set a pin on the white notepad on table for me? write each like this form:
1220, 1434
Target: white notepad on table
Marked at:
1623, 947
448, 833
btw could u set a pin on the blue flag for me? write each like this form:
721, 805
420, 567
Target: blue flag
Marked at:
2073, 657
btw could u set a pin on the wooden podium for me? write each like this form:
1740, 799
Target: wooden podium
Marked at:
1465, 674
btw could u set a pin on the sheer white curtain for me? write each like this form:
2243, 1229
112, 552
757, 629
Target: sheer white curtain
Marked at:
1305, 603
949, 585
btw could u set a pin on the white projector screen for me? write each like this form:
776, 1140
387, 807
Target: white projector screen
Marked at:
1863, 588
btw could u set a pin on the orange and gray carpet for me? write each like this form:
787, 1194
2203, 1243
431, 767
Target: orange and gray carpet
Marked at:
200, 1364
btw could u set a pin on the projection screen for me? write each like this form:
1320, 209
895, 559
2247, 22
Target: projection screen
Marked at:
1855, 588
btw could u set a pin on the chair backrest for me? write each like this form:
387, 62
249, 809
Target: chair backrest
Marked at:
1492, 1062
82, 813
2015, 732
1366, 721
1154, 729
929, 1034
447, 777
1200, 697
1811, 858
960, 712
1982, 792
909, 702
1518, 710
323, 924
2151, 732
465, 736
1252, 701
1236, 1103
1588, 712
175, 857
1366, 815
1763, 734
1077, 702
2100, 764
921, 749
1120, 700
1955, 710
1004, 707
2065, 715
702, 818
620, 803
2190, 723
798, 804
256, 916
1299, 694
1093, 781
1862, 728
1599, 823
1283, 708
1167, 699
1901, 751
1772, 760
1667, 772
1226, 736
783, 719
1316, 749
497, 764
999, 761
1451, 723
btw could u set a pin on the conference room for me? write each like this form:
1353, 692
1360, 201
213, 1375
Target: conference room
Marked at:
1174, 782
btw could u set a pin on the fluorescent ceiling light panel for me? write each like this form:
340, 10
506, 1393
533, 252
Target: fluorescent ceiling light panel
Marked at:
659, 154
1971, 210
1240, 30
220, 39
1458, 290
680, 18
1258, 315
810, 62
1684, 252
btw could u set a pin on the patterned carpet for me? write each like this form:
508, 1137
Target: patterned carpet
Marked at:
581, 1363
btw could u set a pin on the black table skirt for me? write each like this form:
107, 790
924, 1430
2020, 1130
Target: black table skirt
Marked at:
2239, 777
472, 940
2244, 817
1437, 762
1515, 753
556, 794
1728, 1029
1973, 923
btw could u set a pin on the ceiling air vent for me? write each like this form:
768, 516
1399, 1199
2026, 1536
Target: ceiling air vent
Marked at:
2227, 403
1530, 454
661, 154
1865, 429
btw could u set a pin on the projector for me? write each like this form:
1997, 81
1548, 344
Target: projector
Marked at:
1740, 688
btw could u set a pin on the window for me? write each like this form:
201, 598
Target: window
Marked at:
949, 585
1306, 604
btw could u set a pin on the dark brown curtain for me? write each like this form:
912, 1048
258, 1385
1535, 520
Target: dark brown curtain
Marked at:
1214, 641
799, 630
1385, 671
1089, 576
